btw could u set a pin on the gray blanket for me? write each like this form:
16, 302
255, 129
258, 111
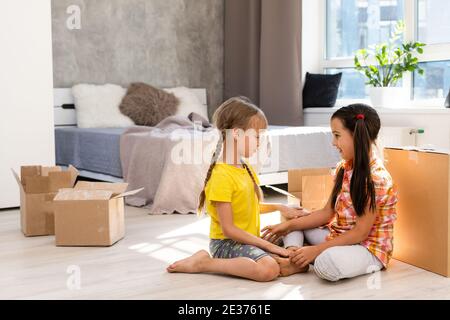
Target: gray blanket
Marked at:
170, 161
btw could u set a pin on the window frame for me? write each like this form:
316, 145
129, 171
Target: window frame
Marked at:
432, 52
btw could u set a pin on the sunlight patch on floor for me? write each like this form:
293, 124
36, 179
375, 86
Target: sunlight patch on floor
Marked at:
283, 291
199, 227
169, 255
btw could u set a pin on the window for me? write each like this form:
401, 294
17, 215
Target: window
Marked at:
356, 24
433, 28
433, 21
352, 84
436, 81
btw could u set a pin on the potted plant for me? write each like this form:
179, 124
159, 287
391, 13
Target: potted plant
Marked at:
384, 65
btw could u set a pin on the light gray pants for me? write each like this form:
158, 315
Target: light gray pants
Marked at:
335, 263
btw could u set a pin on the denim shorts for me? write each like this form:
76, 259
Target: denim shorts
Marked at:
229, 249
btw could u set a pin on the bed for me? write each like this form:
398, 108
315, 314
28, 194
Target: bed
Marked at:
146, 154
96, 153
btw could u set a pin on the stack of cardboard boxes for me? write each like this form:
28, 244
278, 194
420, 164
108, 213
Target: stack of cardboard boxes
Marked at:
87, 214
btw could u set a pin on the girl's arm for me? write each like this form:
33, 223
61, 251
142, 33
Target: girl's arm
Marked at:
232, 232
358, 234
286, 212
315, 219
303, 256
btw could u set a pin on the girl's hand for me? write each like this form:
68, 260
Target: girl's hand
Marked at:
292, 213
275, 232
278, 250
305, 255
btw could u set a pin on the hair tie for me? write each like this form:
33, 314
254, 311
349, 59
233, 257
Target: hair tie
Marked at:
360, 116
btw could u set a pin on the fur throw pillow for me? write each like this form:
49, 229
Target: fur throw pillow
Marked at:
188, 102
97, 106
147, 105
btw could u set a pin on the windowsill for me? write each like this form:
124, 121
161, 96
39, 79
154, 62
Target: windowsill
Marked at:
406, 110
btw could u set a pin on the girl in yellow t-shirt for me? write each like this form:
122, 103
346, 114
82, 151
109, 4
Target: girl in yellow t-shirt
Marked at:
232, 198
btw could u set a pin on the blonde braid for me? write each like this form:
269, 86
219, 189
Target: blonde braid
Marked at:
258, 190
214, 158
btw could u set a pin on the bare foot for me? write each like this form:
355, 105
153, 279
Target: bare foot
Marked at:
193, 264
288, 268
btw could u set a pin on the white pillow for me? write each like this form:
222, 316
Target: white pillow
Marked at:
97, 106
188, 102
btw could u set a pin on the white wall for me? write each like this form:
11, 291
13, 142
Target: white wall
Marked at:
26, 84
436, 122
312, 37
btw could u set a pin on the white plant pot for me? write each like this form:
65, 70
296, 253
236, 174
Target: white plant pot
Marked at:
388, 97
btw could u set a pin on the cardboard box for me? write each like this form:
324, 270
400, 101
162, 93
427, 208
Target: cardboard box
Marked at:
312, 186
91, 214
38, 186
422, 229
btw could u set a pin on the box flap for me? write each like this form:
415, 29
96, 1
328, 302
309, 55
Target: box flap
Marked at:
295, 177
129, 193
73, 194
316, 187
63, 179
29, 171
46, 170
16, 176
36, 184
59, 180
116, 188
316, 191
74, 174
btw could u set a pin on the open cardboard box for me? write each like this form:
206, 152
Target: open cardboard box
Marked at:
311, 187
38, 186
422, 229
91, 214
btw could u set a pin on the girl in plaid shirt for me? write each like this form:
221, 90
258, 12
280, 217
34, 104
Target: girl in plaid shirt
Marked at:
353, 234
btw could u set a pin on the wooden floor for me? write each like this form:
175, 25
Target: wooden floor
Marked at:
134, 268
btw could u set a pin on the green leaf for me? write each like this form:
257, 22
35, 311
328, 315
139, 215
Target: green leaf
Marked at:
393, 58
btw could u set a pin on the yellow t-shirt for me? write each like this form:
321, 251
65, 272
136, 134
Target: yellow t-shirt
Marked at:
232, 184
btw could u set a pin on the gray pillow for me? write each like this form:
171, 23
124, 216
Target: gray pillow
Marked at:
147, 105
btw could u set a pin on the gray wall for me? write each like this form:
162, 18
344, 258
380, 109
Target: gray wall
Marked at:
164, 43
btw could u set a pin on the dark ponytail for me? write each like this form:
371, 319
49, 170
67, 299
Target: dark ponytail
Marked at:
362, 190
364, 122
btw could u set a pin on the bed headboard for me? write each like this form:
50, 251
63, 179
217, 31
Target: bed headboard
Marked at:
67, 117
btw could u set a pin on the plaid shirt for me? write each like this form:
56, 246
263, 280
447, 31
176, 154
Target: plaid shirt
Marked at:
380, 239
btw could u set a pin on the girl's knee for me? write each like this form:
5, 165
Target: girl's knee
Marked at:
325, 267
293, 239
268, 269
339, 263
